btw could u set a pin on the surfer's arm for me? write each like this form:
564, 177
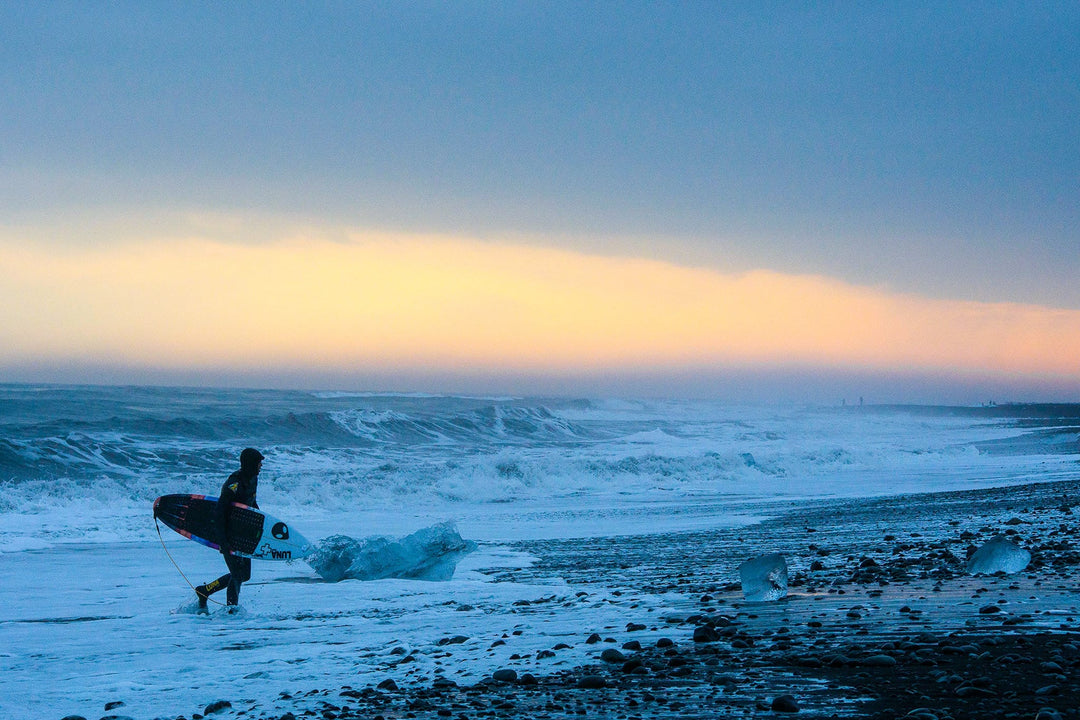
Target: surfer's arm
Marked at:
224, 502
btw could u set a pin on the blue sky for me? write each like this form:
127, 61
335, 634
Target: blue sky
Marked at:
923, 148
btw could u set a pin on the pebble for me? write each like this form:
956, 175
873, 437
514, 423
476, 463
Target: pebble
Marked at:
704, 634
217, 706
456, 640
612, 655
1048, 714
878, 661
969, 691
592, 682
785, 704
507, 675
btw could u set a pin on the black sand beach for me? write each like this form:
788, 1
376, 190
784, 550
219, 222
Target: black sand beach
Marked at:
881, 621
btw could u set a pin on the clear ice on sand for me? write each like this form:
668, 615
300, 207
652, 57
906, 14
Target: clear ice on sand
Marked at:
428, 554
999, 554
764, 578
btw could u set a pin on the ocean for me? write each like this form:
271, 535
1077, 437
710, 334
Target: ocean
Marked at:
93, 611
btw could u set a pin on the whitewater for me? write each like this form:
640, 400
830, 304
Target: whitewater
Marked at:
94, 612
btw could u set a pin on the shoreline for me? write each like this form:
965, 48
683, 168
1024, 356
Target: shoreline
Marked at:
881, 621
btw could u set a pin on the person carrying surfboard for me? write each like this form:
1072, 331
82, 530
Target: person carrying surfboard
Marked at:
239, 488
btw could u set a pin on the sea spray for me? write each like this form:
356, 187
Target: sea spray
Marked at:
428, 554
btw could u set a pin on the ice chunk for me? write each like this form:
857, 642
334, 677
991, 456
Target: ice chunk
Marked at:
429, 554
764, 578
998, 555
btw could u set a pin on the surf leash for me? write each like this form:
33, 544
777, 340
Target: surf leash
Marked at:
169, 554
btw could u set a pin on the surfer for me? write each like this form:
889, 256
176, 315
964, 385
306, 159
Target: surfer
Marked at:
240, 488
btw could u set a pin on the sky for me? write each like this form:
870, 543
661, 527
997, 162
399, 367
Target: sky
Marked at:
755, 200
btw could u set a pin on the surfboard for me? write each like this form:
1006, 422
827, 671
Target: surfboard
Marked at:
252, 533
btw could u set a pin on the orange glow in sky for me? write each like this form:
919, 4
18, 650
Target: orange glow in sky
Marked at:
386, 302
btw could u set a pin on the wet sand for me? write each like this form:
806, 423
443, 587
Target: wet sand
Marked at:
881, 621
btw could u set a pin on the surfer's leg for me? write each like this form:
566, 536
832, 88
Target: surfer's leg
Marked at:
239, 572
205, 591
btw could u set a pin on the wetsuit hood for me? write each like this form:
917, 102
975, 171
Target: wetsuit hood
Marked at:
249, 460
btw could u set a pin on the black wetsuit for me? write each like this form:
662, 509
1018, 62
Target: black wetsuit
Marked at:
240, 488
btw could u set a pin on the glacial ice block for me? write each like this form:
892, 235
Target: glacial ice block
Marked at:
428, 554
999, 554
764, 578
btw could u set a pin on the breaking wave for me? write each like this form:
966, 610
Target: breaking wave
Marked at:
492, 423
335, 451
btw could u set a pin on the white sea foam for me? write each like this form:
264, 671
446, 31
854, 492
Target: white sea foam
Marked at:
89, 467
